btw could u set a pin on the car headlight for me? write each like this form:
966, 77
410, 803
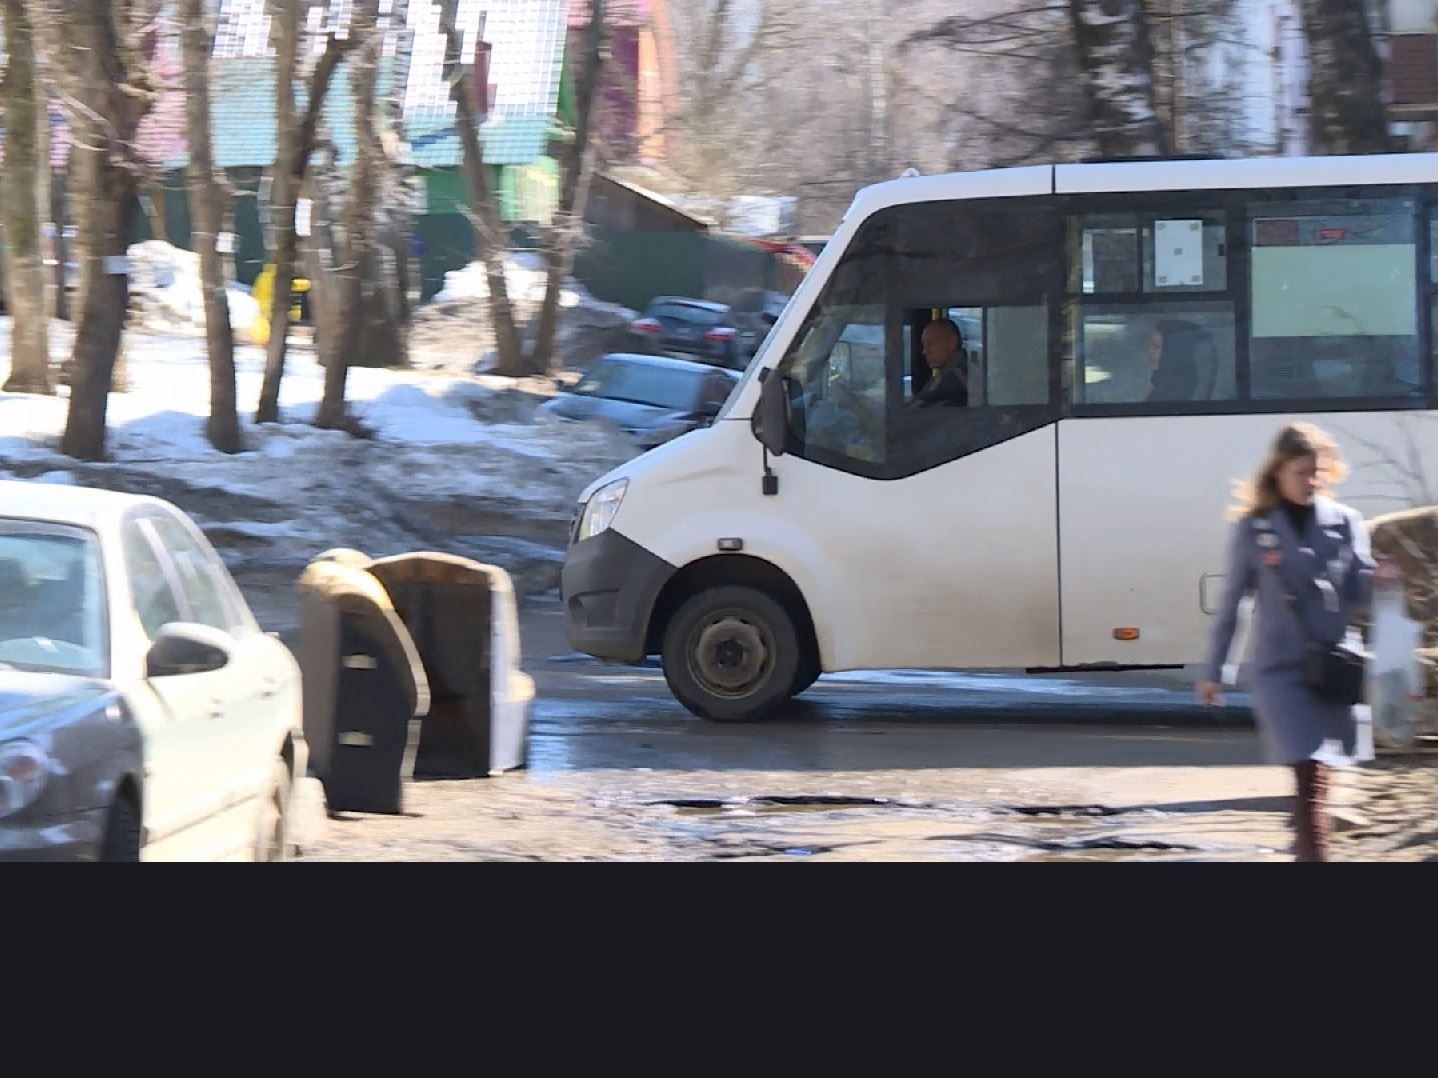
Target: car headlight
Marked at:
599, 511
24, 767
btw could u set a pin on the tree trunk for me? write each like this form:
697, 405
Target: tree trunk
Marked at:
1345, 85
44, 176
22, 183
53, 201
319, 269
107, 221
578, 167
1116, 59
59, 196
484, 206
209, 201
296, 140
357, 236
114, 89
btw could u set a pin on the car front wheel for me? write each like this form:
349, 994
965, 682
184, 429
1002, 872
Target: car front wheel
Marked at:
272, 843
731, 654
121, 841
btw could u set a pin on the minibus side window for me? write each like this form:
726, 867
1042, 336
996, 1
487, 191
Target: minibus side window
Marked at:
993, 267
836, 371
1334, 299
1141, 329
836, 387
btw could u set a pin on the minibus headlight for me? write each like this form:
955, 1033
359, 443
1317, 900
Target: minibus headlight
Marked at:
600, 509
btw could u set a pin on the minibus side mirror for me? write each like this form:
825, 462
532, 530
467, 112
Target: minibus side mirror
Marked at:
771, 418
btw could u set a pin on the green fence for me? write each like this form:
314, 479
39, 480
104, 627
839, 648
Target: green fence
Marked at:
633, 267
617, 266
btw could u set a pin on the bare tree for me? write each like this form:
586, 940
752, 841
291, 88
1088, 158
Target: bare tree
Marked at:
209, 195
577, 167
483, 203
110, 88
23, 175
1015, 103
317, 250
295, 142
731, 56
356, 247
1344, 79
1116, 57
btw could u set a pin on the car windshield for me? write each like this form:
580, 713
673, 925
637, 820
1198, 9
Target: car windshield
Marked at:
685, 313
52, 605
642, 383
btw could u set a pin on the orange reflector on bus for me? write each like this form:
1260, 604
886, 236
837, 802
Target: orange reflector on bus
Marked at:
1125, 634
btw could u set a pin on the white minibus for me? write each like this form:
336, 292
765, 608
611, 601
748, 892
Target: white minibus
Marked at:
1130, 337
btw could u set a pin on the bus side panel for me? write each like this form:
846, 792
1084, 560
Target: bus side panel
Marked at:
1142, 525
954, 567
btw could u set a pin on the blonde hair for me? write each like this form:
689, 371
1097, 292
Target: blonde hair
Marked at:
1294, 441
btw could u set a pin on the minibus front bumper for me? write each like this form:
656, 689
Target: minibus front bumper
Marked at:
609, 586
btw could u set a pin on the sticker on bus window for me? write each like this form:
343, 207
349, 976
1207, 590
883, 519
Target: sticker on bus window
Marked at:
1178, 254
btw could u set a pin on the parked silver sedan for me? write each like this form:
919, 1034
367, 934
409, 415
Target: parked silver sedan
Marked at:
143, 713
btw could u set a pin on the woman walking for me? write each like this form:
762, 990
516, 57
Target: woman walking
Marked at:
1306, 560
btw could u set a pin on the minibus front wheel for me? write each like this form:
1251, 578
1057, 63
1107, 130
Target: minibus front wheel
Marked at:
731, 654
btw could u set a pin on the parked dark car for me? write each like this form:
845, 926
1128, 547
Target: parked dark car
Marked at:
690, 329
753, 316
653, 398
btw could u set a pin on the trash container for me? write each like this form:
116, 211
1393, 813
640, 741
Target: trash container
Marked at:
463, 620
363, 688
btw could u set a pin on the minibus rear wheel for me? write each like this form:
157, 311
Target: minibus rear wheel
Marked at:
731, 654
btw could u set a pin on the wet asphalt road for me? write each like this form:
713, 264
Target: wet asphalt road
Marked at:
865, 766
591, 715
869, 766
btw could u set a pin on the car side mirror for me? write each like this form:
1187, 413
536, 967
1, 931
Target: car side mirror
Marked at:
771, 418
186, 648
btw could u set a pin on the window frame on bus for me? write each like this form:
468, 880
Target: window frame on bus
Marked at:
1238, 291
1064, 300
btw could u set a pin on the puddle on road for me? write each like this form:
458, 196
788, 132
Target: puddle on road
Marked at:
775, 803
769, 826
1067, 811
1079, 844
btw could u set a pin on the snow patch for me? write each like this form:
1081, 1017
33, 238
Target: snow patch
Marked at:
454, 331
456, 463
167, 293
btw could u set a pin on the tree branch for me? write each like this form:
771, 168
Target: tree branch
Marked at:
316, 91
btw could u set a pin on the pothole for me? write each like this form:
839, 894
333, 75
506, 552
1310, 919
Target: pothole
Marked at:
1076, 844
772, 851
1067, 811
777, 803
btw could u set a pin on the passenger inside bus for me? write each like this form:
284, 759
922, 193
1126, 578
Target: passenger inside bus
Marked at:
1181, 361
1169, 357
947, 384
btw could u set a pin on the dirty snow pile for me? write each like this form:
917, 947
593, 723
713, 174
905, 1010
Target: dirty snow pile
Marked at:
454, 332
467, 465
166, 294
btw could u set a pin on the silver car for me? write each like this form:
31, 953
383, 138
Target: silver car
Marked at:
143, 713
